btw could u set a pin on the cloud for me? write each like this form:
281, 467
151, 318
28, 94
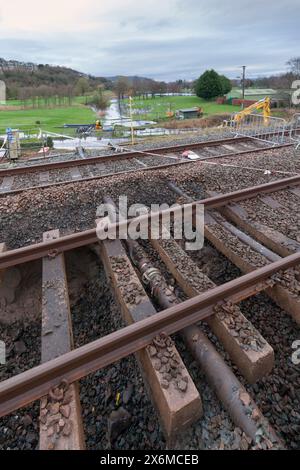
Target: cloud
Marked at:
164, 40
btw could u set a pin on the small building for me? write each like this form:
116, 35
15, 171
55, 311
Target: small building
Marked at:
189, 113
282, 99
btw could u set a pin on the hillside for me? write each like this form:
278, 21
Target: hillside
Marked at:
130, 78
18, 74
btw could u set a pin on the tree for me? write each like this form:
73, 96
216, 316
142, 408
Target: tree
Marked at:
99, 100
161, 88
82, 86
122, 86
226, 84
294, 66
174, 87
209, 85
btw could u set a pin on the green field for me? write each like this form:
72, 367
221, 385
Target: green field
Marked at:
52, 101
156, 108
51, 119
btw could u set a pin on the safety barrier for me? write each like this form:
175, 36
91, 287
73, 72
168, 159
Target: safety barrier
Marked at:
295, 130
270, 130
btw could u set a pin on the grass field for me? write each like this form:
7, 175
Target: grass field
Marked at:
43, 103
52, 101
156, 108
50, 119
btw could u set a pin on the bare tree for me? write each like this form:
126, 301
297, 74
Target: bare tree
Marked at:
122, 86
82, 86
294, 66
174, 87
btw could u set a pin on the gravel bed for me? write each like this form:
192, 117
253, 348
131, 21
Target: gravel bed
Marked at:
72, 207
60, 156
272, 160
87, 171
23, 181
287, 199
204, 135
215, 430
278, 394
19, 430
59, 175
95, 315
281, 219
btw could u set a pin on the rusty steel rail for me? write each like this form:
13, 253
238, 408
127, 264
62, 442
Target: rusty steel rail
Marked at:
31, 385
117, 157
130, 155
136, 170
94, 178
69, 242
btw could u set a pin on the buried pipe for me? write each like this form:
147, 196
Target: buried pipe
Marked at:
270, 255
229, 390
233, 395
236, 400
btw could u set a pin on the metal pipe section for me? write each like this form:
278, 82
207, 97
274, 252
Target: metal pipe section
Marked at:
150, 276
31, 385
227, 387
236, 400
229, 390
270, 255
178, 191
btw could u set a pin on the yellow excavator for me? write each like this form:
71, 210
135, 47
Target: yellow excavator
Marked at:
264, 104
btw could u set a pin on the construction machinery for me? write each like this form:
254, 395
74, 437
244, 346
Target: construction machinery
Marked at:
263, 104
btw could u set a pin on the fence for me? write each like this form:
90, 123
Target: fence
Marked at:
30, 143
270, 130
295, 130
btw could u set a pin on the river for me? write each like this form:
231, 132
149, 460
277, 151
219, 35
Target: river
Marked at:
113, 116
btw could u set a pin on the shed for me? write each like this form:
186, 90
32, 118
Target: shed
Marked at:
282, 99
189, 113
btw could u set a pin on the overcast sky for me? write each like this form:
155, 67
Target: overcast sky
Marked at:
161, 39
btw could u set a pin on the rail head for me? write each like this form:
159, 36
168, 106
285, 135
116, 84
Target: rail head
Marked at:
32, 252
31, 385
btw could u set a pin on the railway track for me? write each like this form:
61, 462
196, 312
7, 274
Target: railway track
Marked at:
23, 178
268, 260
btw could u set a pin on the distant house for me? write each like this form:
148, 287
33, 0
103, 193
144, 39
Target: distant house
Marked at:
189, 113
282, 99
251, 94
